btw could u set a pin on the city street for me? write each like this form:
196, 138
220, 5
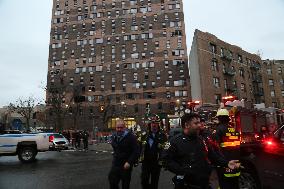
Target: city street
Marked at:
66, 169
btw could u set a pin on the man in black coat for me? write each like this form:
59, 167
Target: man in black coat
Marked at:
85, 139
152, 143
126, 153
190, 158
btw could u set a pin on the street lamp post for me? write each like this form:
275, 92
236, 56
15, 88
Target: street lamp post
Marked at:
178, 110
123, 106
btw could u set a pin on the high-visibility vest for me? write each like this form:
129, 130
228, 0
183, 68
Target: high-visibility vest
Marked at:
231, 139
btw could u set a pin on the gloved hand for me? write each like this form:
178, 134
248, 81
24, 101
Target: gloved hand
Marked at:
234, 164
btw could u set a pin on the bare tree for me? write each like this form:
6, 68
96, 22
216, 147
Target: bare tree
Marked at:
59, 105
77, 99
25, 108
107, 112
55, 101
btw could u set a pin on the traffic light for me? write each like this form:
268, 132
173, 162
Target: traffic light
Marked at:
102, 108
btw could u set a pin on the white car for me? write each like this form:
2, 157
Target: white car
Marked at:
57, 141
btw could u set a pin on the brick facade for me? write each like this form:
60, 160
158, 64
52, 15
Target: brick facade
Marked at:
220, 69
111, 59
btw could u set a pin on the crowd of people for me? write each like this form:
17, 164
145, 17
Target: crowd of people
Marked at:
75, 138
190, 155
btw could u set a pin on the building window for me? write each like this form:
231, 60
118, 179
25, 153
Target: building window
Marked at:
269, 71
240, 58
214, 65
168, 45
71, 81
168, 94
282, 92
216, 82
225, 84
235, 83
180, 93
222, 52
135, 76
270, 82
136, 85
272, 93
243, 87
241, 71
158, 74
149, 95
157, 44
248, 61
179, 83
170, 74
167, 83
213, 48
135, 55
279, 70
217, 98
124, 77
166, 63
146, 76
166, 54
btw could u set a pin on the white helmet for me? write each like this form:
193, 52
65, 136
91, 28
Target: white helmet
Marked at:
223, 112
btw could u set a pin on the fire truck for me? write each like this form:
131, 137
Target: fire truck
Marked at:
253, 124
262, 144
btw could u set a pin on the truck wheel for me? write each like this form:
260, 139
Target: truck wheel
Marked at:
248, 180
27, 154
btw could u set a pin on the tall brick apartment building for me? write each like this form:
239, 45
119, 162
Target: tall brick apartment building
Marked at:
115, 58
273, 83
220, 69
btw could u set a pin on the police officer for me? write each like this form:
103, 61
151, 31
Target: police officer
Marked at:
152, 143
126, 153
189, 157
229, 142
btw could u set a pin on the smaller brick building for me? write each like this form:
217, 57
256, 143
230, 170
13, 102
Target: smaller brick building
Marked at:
220, 69
273, 82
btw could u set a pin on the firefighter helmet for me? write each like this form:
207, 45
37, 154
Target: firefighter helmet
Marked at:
154, 118
223, 112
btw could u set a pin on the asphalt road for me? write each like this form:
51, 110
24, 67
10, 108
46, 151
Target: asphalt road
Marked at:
67, 169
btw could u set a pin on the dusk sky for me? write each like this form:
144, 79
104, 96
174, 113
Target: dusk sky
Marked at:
253, 25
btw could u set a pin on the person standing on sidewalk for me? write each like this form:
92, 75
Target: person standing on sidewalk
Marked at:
85, 139
126, 153
152, 143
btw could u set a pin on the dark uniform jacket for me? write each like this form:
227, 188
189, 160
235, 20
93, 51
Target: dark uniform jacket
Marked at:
125, 149
192, 157
152, 153
229, 141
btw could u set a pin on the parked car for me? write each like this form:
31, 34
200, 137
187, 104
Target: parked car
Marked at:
57, 142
